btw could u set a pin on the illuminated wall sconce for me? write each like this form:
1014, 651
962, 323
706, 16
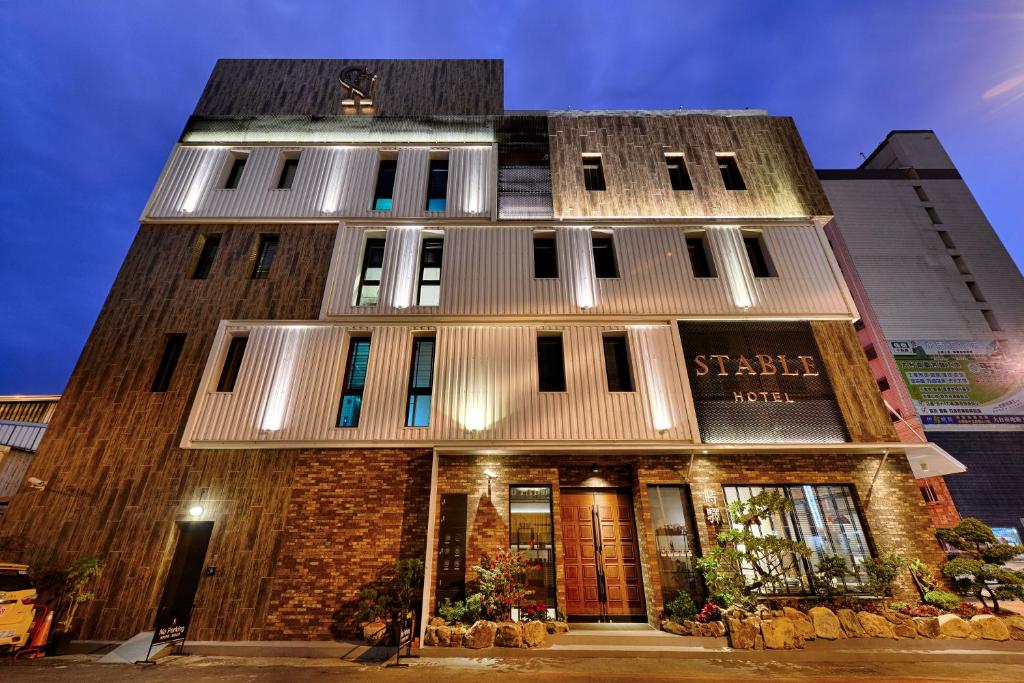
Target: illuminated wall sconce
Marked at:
491, 476
594, 468
195, 511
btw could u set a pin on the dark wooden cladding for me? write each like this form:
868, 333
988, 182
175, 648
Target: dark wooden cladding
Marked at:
866, 417
118, 481
310, 87
776, 169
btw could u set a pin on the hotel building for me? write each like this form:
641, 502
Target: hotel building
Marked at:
370, 314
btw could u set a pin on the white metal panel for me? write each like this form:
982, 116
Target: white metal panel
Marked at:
331, 181
485, 387
489, 271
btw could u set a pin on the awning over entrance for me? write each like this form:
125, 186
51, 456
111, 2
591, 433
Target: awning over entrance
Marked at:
931, 460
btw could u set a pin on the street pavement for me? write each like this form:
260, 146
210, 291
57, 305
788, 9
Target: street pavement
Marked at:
199, 669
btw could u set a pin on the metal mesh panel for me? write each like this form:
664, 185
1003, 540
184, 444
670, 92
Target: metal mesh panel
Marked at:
760, 382
524, 192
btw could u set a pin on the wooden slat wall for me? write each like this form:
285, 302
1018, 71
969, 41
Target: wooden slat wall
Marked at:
330, 182
485, 387
489, 271
406, 87
867, 419
778, 174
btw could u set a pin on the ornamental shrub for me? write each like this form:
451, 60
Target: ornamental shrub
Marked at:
942, 600
827, 580
979, 571
881, 573
502, 582
452, 612
681, 607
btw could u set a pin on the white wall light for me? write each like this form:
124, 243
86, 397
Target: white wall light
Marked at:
196, 511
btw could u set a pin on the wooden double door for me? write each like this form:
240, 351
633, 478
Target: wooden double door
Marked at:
602, 559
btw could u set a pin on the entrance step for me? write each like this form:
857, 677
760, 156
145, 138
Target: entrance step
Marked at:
628, 638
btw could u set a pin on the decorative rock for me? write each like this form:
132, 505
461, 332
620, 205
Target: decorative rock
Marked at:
743, 633
458, 633
952, 626
780, 634
683, 629
437, 621
430, 637
875, 626
927, 627
801, 621
848, 620
906, 631
480, 635
1015, 625
826, 623
534, 633
509, 635
375, 632
557, 627
989, 627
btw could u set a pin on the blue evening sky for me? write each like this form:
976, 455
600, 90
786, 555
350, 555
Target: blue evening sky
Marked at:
94, 93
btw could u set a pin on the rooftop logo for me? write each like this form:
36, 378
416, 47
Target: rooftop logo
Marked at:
358, 87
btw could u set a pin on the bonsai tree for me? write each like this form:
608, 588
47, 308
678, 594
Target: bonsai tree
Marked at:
501, 580
980, 570
881, 573
393, 595
741, 551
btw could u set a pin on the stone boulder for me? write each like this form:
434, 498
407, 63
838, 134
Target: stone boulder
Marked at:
1015, 625
848, 620
679, 629
375, 632
927, 627
458, 633
712, 629
826, 623
557, 627
535, 633
952, 626
801, 621
480, 635
743, 633
875, 626
780, 634
509, 635
989, 627
437, 621
905, 631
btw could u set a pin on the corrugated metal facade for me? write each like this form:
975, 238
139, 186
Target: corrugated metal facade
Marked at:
485, 387
331, 181
489, 271
22, 435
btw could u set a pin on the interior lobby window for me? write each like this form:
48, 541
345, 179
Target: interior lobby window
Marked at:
824, 517
675, 541
531, 531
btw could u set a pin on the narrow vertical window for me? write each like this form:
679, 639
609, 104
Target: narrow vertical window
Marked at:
976, 292
919, 191
730, 171
883, 384
961, 265
990, 318
545, 255
355, 380
550, 363
385, 189
288, 170
431, 254
677, 173
947, 241
207, 251
437, 185
757, 255
593, 173
236, 164
700, 260
604, 256
616, 362
173, 344
870, 352
369, 277
266, 249
933, 215
232, 363
421, 382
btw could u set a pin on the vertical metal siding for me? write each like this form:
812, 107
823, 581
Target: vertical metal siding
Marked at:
489, 271
330, 182
485, 387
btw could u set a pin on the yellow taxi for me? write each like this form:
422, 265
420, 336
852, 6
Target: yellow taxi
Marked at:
17, 604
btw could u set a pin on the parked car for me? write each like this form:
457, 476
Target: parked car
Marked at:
17, 605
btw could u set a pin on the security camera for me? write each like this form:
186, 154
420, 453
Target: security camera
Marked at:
36, 483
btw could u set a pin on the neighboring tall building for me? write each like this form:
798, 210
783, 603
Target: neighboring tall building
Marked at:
23, 421
370, 314
945, 317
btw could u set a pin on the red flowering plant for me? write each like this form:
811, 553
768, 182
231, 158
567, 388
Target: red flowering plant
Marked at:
501, 578
533, 611
711, 612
